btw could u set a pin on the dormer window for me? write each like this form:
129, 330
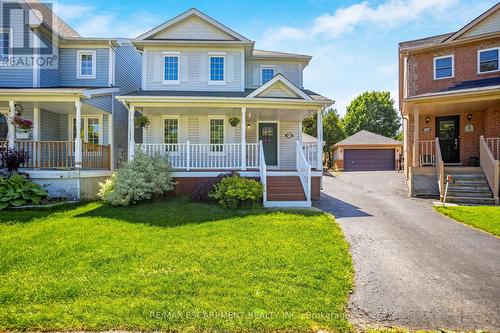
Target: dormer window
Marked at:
171, 67
216, 68
488, 60
266, 74
444, 67
86, 64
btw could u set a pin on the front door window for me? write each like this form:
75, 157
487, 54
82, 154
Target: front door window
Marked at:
448, 132
90, 130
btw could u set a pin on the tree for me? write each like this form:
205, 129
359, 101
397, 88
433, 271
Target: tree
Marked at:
372, 111
333, 131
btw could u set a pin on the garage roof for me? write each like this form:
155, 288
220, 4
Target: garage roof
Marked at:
367, 138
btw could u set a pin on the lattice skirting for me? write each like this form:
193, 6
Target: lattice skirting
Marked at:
425, 186
67, 188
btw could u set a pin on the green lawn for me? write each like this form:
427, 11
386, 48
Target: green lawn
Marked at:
172, 265
486, 218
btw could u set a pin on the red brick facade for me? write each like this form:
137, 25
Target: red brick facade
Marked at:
421, 67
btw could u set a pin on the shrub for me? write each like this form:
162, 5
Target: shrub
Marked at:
144, 178
17, 191
12, 158
237, 192
201, 192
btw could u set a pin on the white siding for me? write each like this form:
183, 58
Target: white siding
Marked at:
287, 146
293, 71
488, 25
193, 28
278, 90
193, 70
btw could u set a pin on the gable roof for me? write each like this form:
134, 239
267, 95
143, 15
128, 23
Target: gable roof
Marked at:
364, 137
273, 54
193, 12
448, 37
281, 81
58, 25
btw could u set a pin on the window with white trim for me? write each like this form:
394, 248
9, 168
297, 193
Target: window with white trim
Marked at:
443, 67
86, 65
171, 133
5, 45
90, 129
216, 68
266, 74
488, 60
216, 134
171, 69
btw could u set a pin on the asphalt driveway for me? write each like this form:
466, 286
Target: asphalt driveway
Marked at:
414, 267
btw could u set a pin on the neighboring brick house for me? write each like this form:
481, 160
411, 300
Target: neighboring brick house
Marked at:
449, 89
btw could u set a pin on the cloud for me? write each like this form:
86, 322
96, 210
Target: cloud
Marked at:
388, 14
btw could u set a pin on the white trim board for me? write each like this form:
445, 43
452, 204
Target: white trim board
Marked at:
280, 78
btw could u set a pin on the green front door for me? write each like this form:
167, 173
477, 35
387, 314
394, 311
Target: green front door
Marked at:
268, 134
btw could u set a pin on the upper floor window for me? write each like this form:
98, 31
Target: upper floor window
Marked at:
5, 45
266, 74
443, 67
488, 60
86, 64
171, 69
216, 69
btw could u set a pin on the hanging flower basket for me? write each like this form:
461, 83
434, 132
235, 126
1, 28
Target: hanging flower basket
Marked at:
141, 121
24, 125
234, 121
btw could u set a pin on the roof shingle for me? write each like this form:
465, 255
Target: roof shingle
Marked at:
367, 138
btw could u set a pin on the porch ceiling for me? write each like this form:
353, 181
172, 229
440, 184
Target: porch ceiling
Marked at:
55, 107
457, 107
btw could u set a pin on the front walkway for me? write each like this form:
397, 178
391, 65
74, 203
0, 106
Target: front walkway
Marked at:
414, 268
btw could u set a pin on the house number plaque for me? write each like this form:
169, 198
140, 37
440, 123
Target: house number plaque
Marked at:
289, 135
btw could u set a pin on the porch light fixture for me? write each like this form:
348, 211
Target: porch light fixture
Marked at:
19, 109
427, 119
469, 117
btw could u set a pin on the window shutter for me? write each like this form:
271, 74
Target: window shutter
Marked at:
184, 67
204, 68
256, 75
230, 68
158, 68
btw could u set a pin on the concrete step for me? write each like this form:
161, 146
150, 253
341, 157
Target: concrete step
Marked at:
478, 182
469, 194
465, 187
467, 176
471, 200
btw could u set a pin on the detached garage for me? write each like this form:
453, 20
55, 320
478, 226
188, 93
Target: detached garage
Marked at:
367, 151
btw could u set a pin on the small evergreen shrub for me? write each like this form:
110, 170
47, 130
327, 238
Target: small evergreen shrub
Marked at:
237, 192
144, 178
18, 190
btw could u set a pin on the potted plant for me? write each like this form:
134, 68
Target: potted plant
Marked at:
234, 121
141, 121
24, 125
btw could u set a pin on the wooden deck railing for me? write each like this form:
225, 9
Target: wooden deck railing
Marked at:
427, 153
494, 146
439, 168
491, 167
61, 154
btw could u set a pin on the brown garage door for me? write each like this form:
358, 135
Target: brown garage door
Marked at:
368, 159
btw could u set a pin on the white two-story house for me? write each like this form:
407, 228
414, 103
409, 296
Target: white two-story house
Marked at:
216, 104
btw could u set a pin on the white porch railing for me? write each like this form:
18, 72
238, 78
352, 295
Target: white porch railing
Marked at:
310, 152
439, 168
494, 146
427, 153
491, 167
263, 173
304, 170
204, 156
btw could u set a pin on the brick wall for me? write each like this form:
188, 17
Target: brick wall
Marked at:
421, 68
492, 123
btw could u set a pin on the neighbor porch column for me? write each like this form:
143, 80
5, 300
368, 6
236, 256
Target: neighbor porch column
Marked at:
319, 139
78, 137
131, 142
416, 116
11, 137
243, 138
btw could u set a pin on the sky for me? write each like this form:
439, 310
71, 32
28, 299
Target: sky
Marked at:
354, 44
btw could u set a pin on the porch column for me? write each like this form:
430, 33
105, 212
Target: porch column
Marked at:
416, 116
243, 138
11, 137
131, 142
111, 142
78, 138
319, 139
36, 124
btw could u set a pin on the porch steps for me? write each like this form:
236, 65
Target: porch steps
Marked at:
469, 187
285, 189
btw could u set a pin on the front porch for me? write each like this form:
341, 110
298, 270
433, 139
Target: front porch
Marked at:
459, 137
